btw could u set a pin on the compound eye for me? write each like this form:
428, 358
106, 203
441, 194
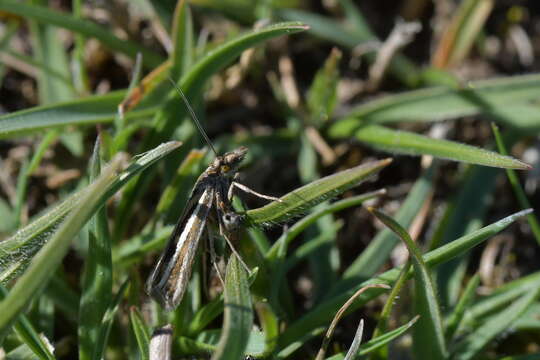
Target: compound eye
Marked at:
225, 168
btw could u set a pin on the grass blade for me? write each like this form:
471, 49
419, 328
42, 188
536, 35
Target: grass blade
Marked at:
509, 100
405, 142
96, 294
454, 320
238, 314
518, 190
322, 95
108, 319
141, 332
50, 256
87, 111
299, 200
27, 332
497, 324
428, 336
182, 33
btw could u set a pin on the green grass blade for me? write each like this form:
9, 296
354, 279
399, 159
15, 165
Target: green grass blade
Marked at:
299, 200
510, 100
322, 95
205, 316
87, 111
96, 294
238, 314
108, 319
50, 256
500, 299
518, 190
83, 27
142, 333
182, 37
382, 323
27, 332
465, 302
428, 335
405, 142
17, 251
80, 75
474, 342
323, 313
49, 52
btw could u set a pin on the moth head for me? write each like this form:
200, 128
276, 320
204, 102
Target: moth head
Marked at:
231, 161
232, 220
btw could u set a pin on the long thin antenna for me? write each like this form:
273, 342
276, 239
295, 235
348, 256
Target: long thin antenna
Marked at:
193, 116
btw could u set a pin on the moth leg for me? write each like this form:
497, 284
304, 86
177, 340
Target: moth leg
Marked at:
229, 242
249, 191
213, 258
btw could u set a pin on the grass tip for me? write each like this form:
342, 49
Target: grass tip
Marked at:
525, 212
524, 165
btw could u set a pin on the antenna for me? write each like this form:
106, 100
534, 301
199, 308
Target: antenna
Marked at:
193, 116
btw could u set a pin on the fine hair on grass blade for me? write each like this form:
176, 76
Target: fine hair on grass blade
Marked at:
339, 315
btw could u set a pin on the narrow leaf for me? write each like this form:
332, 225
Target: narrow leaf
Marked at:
509, 100
428, 336
404, 142
49, 258
297, 201
96, 292
141, 333
497, 324
91, 110
238, 314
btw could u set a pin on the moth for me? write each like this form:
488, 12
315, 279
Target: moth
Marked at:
210, 200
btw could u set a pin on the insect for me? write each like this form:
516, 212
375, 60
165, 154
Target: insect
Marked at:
210, 200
